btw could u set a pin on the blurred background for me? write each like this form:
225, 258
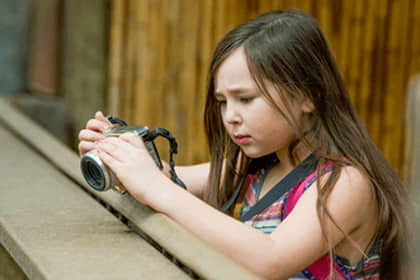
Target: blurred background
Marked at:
145, 61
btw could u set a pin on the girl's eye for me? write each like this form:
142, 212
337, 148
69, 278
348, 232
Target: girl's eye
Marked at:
246, 99
220, 101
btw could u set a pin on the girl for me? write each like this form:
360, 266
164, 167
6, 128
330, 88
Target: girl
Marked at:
277, 114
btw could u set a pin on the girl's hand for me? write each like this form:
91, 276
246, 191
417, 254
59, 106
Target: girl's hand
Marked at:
93, 133
134, 167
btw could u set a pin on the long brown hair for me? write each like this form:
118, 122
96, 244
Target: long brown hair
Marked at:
288, 49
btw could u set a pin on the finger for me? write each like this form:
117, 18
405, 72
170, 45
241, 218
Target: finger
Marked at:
100, 117
116, 148
97, 125
133, 139
109, 160
86, 146
90, 135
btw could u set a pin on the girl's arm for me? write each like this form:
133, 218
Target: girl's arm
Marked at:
296, 243
195, 177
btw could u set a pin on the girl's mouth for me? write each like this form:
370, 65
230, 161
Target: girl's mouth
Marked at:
242, 139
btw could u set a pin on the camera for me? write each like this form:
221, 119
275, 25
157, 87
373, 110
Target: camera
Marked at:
98, 175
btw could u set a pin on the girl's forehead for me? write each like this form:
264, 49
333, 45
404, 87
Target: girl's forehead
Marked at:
233, 73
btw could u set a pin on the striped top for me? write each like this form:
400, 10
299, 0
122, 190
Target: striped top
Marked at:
268, 220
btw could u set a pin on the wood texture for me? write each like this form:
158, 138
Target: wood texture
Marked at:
83, 59
374, 42
412, 165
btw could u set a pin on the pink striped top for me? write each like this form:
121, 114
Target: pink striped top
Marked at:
268, 220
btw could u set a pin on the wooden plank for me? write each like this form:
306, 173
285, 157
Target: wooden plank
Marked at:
403, 79
188, 82
43, 74
116, 38
83, 59
194, 253
206, 48
220, 19
264, 6
413, 160
173, 66
393, 110
415, 39
366, 63
355, 57
129, 57
378, 78
343, 59
304, 5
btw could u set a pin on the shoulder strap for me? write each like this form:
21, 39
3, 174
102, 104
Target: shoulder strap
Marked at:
288, 182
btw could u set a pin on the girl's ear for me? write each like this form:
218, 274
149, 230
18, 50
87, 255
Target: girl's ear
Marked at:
307, 106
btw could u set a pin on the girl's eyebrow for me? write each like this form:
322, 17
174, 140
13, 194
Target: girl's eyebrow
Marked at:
236, 90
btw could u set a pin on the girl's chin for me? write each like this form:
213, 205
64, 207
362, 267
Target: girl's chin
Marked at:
254, 154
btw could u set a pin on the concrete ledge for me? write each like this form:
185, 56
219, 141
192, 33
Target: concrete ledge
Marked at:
53, 230
83, 230
8, 268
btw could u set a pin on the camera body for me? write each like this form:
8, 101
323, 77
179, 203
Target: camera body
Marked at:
97, 174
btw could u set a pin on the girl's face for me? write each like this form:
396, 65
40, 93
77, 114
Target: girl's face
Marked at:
252, 123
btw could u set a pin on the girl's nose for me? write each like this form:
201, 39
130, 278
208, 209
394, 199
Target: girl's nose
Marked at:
232, 116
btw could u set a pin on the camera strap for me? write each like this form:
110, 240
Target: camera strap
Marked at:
173, 146
173, 149
116, 120
295, 176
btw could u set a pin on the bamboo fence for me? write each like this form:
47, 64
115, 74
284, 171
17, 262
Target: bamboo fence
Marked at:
160, 52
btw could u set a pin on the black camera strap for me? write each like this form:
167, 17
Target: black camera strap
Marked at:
173, 149
295, 176
116, 120
173, 146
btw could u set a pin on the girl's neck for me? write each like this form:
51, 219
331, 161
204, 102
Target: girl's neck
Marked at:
285, 165
282, 168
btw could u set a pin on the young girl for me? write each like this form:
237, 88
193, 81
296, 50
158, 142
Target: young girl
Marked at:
277, 114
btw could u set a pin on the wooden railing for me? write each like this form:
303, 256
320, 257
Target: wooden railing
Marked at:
54, 226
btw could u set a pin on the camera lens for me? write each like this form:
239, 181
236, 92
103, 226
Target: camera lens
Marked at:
93, 174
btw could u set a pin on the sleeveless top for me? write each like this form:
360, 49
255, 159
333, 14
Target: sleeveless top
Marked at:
268, 220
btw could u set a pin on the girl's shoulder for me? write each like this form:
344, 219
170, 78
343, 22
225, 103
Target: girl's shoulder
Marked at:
350, 179
351, 200
353, 183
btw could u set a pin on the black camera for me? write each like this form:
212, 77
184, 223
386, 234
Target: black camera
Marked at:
98, 175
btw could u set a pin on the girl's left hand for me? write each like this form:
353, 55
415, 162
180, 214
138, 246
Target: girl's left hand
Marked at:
134, 167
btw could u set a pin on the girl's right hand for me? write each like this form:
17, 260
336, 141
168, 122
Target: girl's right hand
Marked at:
92, 134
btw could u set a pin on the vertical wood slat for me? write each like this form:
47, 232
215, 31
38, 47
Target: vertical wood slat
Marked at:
366, 53
143, 60
415, 38
128, 57
205, 49
393, 105
374, 42
345, 38
115, 60
379, 62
